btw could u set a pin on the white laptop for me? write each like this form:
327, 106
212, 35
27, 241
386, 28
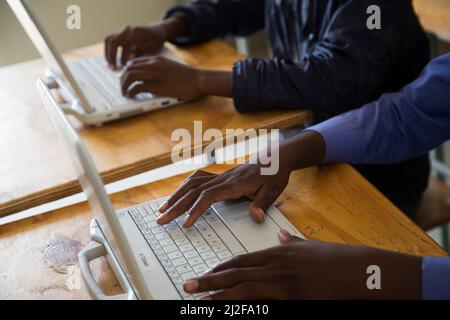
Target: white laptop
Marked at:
152, 261
91, 88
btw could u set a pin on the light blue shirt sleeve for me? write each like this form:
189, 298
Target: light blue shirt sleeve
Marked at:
398, 127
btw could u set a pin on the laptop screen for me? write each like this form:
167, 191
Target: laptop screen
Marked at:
91, 183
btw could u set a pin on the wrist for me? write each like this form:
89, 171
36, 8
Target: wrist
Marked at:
211, 82
174, 27
303, 151
400, 275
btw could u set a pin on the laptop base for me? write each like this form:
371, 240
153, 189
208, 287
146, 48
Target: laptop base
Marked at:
100, 117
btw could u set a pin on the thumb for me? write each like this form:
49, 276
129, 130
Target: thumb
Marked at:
286, 238
264, 198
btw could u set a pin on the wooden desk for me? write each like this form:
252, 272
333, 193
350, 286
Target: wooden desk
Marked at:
332, 203
435, 16
33, 166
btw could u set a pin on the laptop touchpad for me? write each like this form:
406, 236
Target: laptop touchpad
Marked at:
252, 235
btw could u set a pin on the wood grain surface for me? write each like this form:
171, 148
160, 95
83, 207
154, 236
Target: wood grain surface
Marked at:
435, 16
331, 203
34, 167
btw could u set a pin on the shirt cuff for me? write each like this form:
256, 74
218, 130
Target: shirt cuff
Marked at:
342, 141
436, 278
240, 89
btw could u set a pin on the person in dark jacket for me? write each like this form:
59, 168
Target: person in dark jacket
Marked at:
324, 58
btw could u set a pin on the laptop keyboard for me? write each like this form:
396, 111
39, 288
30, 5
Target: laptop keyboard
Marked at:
186, 253
94, 75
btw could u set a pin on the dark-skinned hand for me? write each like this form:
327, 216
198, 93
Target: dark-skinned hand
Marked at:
203, 189
162, 77
134, 41
302, 269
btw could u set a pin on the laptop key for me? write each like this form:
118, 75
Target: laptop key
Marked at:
190, 254
171, 227
158, 229
154, 244
170, 248
200, 268
177, 280
218, 248
170, 268
175, 255
166, 263
183, 269
208, 255
188, 275
162, 236
195, 261
179, 262
192, 234
142, 212
149, 237
212, 262
186, 247
152, 224
198, 242
159, 251
134, 213
176, 234
203, 248
166, 242
205, 229
224, 255
149, 210
214, 241
181, 241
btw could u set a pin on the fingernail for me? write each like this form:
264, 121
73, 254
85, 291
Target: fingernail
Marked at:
187, 222
191, 285
207, 298
284, 235
160, 219
261, 214
164, 207
208, 272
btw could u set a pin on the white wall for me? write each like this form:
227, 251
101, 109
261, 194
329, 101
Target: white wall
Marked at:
99, 18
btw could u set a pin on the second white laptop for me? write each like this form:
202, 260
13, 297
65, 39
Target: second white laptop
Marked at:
92, 89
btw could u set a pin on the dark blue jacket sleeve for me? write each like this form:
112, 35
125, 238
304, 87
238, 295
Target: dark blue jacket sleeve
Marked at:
345, 68
397, 127
207, 19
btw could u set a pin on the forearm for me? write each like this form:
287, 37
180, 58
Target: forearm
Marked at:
303, 151
209, 19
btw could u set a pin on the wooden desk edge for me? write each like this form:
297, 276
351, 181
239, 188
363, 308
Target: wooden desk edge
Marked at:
72, 187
